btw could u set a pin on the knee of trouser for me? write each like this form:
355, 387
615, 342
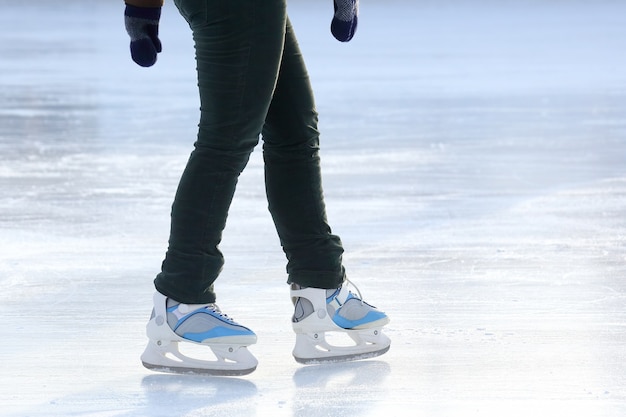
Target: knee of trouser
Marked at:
289, 150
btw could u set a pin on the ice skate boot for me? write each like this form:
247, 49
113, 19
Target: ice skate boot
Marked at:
200, 325
320, 311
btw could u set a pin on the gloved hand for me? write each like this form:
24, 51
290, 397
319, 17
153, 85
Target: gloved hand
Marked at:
142, 25
345, 19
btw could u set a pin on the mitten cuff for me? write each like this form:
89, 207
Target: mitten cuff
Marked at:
148, 13
145, 3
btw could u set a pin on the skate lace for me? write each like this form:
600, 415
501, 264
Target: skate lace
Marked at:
214, 308
353, 285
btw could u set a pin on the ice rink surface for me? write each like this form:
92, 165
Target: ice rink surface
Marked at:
474, 157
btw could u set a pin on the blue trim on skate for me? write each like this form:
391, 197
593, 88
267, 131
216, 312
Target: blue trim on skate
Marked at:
350, 324
217, 332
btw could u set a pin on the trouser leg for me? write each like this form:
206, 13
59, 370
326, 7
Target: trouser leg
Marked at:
239, 45
293, 178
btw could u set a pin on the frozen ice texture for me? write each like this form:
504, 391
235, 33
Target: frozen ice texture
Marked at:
474, 157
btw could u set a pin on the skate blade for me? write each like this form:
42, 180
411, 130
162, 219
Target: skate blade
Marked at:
314, 348
340, 358
182, 370
229, 360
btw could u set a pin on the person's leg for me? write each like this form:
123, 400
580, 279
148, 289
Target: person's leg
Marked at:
322, 301
293, 180
239, 45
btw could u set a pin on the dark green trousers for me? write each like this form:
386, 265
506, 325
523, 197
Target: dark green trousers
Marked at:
252, 82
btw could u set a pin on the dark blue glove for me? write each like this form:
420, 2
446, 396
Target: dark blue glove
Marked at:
142, 25
345, 19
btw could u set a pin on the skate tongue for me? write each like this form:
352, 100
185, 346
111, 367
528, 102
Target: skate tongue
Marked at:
188, 308
356, 288
342, 294
185, 308
182, 309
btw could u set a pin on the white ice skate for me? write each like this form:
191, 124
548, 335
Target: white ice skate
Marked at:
320, 312
197, 324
